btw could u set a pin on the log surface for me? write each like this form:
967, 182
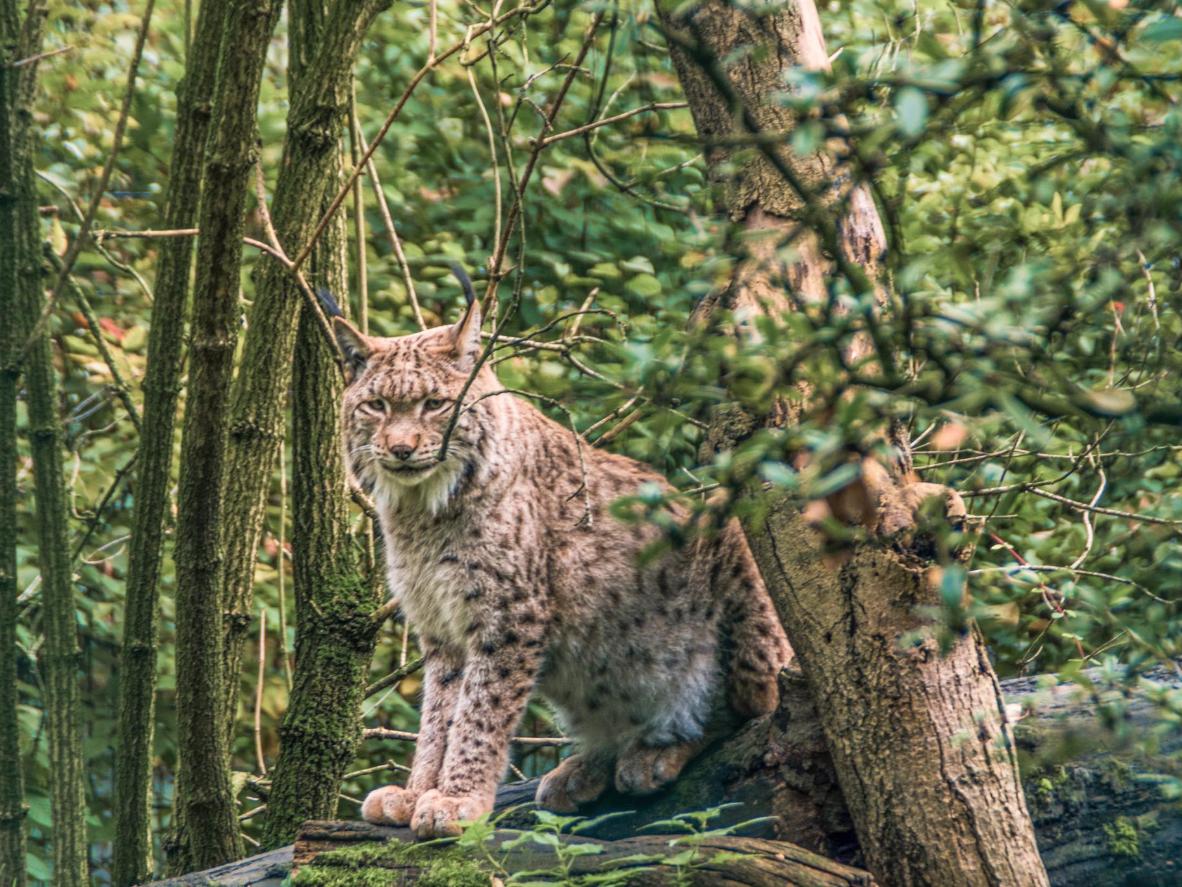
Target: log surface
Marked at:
1101, 817
730, 861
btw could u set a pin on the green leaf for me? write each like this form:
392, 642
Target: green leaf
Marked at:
645, 285
911, 106
1109, 401
1163, 30
779, 474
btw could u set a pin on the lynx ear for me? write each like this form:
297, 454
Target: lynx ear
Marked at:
465, 338
355, 346
465, 335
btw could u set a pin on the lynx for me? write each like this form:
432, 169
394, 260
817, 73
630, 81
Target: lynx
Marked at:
508, 562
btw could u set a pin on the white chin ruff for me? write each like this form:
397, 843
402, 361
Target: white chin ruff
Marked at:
428, 491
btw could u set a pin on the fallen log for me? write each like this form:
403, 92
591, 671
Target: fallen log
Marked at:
1093, 783
327, 853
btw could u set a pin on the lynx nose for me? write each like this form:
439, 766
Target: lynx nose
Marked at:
401, 451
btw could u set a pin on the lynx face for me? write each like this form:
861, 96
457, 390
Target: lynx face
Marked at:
399, 403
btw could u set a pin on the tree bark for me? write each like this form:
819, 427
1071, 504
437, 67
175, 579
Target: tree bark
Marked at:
319, 103
12, 810
137, 659
59, 653
204, 793
920, 740
335, 631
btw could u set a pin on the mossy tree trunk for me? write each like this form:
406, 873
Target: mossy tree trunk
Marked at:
12, 811
137, 658
919, 737
335, 629
319, 101
33, 355
205, 799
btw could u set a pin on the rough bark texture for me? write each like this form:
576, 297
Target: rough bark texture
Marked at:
923, 751
335, 632
920, 740
12, 812
137, 658
204, 793
59, 653
319, 105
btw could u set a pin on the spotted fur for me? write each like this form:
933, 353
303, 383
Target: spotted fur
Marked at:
517, 577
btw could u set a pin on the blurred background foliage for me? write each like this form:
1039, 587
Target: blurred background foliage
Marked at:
1032, 191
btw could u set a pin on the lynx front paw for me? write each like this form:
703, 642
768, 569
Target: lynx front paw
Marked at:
643, 770
576, 781
389, 805
439, 816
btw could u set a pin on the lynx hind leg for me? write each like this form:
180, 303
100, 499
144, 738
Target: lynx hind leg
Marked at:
757, 647
577, 780
642, 770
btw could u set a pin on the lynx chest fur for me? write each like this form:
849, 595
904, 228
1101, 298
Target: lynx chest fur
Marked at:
503, 552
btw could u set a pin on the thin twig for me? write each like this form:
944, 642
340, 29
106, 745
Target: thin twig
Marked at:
281, 563
48, 54
605, 121
492, 154
359, 218
393, 677
97, 240
391, 232
404, 736
258, 693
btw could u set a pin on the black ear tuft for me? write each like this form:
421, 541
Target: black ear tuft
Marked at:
355, 346
465, 281
328, 303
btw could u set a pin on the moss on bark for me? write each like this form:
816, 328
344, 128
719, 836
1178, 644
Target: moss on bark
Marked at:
335, 630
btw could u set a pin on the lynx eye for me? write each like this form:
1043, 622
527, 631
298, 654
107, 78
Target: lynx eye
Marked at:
434, 403
375, 405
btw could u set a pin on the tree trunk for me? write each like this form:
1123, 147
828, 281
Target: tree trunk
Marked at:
319, 102
920, 740
59, 654
137, 658
204, 792
12, 811
335, 632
